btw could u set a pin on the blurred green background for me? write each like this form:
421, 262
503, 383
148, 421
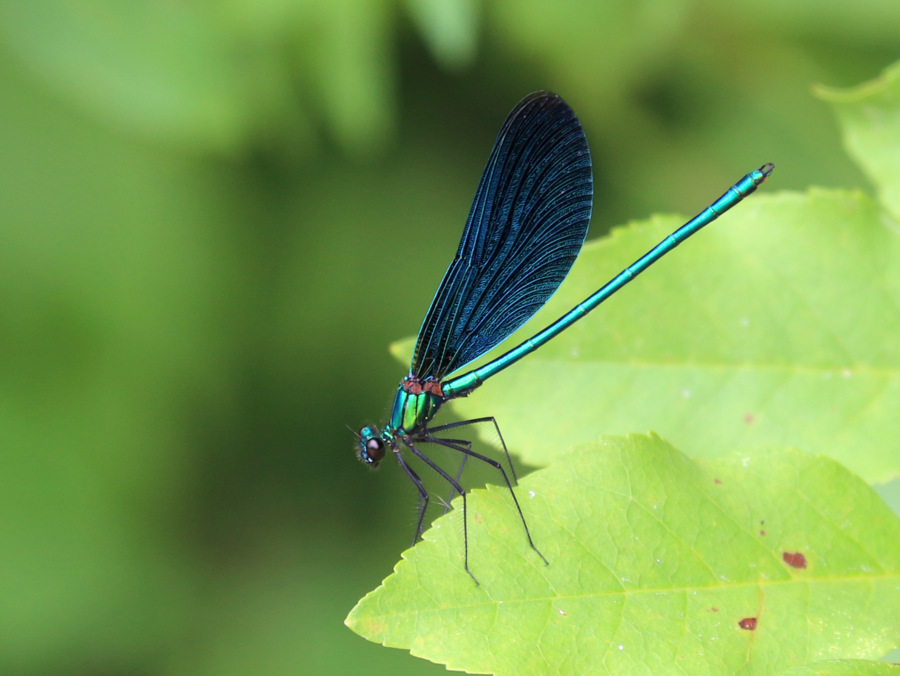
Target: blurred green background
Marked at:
216, 216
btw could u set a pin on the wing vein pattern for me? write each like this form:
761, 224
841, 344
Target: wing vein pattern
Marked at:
527, 223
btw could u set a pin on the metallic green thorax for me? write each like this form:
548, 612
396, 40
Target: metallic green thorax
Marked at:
417, 400
415, 404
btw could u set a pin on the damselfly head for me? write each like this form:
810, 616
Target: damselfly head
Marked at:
371, 446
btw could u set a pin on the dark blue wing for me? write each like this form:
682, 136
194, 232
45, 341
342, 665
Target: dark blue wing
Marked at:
525, 229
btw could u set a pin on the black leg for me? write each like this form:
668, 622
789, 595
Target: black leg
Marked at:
423, 494
462, 465
459, 472
475, 421
467, 451
459, 489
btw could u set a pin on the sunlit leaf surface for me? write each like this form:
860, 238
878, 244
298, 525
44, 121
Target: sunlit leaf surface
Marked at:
657, 564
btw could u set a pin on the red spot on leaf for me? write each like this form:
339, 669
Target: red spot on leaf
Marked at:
749, 418
797, 560
718, 481
762, 532
713, 610
748, 623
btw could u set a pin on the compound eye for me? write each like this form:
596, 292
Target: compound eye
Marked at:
375, 450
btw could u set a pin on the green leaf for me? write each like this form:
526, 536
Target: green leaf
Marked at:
349, 50
870, 121
657, 563
218, 76
776, 326
111, 60
845, 668
450, 27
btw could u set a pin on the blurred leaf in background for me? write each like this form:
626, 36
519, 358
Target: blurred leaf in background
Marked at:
870, 120
216, 216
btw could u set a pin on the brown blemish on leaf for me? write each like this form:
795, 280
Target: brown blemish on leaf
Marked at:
748, 623
796, 560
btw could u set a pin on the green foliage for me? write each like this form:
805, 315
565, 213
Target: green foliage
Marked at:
870, 118
218, 80
216, 215
844, 668
450, 27
656, 561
